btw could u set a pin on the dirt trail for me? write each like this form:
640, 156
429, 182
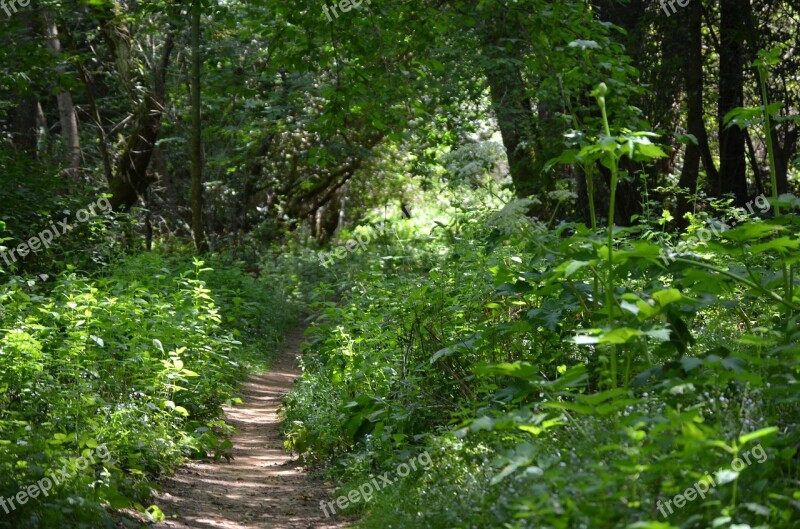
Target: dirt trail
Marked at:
263, 487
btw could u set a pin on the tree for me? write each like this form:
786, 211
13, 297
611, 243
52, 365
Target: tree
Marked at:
197, 148
510, 100
732, 176
130, 180
697, 148
66, 110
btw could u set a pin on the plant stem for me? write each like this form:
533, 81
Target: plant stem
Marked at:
601, 100
763, 75
590, 191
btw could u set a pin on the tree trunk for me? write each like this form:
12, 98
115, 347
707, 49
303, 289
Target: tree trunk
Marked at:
783, 156
510, 103
130, 179
23, 123
102, 142
695, 124
732, 172
197, 148
66, 109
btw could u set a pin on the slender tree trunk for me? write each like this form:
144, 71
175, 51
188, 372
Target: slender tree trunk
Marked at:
98, 122
757, 175
342, 208
695, 124
784, 151
24, 125
197, 147
66, 109
732, 173
42, 137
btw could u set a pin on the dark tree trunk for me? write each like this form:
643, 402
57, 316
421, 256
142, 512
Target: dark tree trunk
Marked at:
24, 128
783, 156
732, 172
94, 112
695, 124
658, 46
130, 179
510, 103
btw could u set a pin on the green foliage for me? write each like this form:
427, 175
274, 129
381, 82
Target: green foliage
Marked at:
139, 359
560, 375
40, 202
490, 350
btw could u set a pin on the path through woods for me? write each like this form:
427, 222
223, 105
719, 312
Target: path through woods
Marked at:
263, 487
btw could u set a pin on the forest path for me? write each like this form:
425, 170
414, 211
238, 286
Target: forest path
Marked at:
263, 487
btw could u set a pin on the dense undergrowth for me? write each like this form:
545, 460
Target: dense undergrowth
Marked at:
491, 346
131, 365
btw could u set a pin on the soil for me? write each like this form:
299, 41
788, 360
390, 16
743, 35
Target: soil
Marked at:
263, 486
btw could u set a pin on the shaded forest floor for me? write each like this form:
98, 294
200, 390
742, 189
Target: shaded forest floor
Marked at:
263, 486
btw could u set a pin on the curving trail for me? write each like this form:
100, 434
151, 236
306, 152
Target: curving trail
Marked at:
263, 487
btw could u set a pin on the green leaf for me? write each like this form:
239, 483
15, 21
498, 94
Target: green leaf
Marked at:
620, 335
154, 514
523, 370
570, 406
573, 267
531, 428
757, 508
783, 245
440, 354
751, 231
665, 297
726, 476
584, 45
758, 434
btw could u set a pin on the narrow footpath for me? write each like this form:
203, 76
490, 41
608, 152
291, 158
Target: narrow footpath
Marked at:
263, 486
